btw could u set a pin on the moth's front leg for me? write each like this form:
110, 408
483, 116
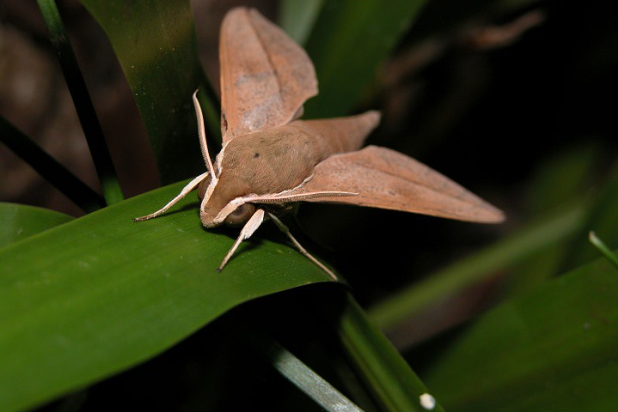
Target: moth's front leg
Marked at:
248, 229
185, 191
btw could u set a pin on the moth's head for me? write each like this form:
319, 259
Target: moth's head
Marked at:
219, 209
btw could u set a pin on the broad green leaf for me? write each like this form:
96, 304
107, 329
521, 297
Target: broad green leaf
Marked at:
348, 42
155, 44
553, 349
101, 293
18, 222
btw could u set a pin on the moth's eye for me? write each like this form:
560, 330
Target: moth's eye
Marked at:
240, 215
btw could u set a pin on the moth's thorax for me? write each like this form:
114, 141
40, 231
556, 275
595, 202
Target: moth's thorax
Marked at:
265, 162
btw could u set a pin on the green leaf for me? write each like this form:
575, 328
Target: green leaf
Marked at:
388, 376
17, 222
155, 44
101, 293
553, 349
348, 42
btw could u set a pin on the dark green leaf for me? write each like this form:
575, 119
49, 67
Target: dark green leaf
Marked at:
551, 350
155, 44
348, 42
389, 378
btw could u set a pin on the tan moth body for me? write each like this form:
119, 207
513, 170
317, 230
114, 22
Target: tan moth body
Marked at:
271, 160
253, 164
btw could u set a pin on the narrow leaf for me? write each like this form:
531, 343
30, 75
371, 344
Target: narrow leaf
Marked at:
602, 218
447, 281
388, 376
49, 168
297, 372
83, 104
599, 244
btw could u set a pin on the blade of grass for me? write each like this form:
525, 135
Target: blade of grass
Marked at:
599, 244
155, 44
602, 218
388, 376
83, 104
457, 276
348, 42
551, 349
18, 222
99, 294
293, 369
48, 167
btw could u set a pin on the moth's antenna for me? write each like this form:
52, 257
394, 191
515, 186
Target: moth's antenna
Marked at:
201, 129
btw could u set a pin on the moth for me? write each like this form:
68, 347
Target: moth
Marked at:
271, 160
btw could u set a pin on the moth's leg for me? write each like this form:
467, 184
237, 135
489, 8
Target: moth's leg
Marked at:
248, 229
301, 249
185, 190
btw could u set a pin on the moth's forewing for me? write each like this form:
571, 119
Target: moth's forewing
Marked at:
265, 76
387, 179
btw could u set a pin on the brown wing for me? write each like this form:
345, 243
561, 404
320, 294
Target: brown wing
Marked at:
386, 179
265, 76
340, 134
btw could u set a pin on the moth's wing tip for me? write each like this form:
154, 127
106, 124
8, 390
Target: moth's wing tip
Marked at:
491, 215
374, 116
